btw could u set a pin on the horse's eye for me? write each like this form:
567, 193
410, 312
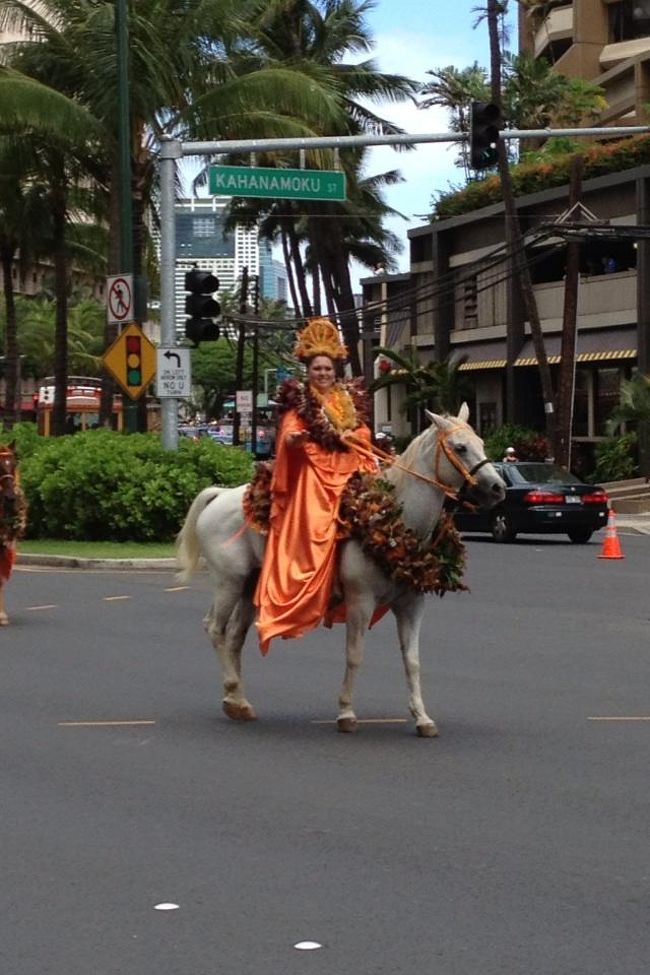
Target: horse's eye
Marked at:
461, 448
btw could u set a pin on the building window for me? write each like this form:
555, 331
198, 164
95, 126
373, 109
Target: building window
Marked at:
204, 227
487, 418
470, 303
606, 397
581, 403
628, 20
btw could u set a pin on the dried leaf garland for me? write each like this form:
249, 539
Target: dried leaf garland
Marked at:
370, 514
295, 395
13, 519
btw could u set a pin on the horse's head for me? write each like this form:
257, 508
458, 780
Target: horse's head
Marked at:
8, 466
460, 466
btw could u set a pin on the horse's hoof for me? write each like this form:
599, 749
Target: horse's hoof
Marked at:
347, 725
427, 730
239, 712
4, 621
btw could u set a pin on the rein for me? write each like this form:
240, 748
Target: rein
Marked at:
456, 494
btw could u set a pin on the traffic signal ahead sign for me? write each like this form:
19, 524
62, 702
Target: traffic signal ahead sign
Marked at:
131, 360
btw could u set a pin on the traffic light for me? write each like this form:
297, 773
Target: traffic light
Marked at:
201, 306
133, 349
485, 124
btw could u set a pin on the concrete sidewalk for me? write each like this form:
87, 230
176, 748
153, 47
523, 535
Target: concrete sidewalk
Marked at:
638, 524
70, 562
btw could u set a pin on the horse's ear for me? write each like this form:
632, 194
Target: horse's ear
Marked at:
434, 418
463, 413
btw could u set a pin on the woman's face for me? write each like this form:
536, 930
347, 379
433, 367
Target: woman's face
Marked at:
321, 373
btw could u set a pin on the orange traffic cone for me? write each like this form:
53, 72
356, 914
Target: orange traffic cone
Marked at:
611, 546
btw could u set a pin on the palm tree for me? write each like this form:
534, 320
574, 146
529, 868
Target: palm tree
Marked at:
319, 37
455, 89
191, 74
37, 130
437, 385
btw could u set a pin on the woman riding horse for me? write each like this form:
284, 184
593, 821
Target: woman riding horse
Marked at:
13, 517
322, 441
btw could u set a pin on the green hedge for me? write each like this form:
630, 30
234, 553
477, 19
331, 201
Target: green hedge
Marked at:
108, 486
530, 177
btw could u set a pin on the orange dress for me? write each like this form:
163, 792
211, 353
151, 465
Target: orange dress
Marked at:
299, 564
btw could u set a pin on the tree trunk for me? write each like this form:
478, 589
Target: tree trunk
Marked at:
567, 368
347, 311
289, 269
299, 271
12, 361
59, 412
110, 331
520, 265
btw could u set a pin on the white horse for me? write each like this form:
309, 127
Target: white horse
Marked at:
447, 459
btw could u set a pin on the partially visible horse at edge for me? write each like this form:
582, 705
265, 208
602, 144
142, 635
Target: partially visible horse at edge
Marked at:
13, 514
447, 459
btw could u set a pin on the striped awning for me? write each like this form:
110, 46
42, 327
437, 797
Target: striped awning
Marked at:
482, 364
482, 355
591, 347
581, 357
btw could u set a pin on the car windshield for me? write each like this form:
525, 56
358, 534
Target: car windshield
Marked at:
540, 473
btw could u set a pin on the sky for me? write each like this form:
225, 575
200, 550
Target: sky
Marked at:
412, 37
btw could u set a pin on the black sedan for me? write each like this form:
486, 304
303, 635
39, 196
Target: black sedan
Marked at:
540, 499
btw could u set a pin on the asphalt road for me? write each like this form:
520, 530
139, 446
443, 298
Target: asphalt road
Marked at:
514, 844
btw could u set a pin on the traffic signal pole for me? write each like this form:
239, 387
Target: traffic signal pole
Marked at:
171, 150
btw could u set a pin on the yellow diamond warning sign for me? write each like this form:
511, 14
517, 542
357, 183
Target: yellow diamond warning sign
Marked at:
131, 360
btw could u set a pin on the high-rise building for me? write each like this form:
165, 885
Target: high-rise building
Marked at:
604, 41
272, 274
203, 241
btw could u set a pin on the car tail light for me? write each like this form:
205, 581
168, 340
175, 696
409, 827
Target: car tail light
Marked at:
596, 497
543, 497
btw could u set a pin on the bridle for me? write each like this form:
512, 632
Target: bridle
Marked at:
468, 473
8, 469
442, 448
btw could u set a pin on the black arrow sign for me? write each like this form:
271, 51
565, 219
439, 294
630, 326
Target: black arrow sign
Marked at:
173, 355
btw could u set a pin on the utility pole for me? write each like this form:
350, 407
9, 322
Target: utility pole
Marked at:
129, 406
513, 231
567, 370
241, 346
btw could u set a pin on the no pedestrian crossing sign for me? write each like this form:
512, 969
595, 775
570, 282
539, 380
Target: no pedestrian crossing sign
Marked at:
284, 184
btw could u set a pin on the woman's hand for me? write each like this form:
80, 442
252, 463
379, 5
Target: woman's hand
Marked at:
297, 438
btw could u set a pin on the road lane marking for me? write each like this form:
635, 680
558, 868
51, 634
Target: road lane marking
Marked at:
114, 599
370, 721
33, 609
622, 717
177, 589
100, 724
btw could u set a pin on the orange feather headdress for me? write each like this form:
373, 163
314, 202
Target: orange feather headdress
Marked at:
320, 337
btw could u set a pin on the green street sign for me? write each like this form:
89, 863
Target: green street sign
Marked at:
283, 184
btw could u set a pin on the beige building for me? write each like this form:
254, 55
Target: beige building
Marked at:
460, 296
604, 41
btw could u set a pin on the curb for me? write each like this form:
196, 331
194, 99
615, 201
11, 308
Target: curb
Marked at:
69, 562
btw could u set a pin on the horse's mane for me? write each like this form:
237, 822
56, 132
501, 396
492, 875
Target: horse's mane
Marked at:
406, 459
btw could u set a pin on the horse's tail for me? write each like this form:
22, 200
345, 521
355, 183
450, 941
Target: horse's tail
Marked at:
188, 549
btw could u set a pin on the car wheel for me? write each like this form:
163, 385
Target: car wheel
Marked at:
580, 535
502, 530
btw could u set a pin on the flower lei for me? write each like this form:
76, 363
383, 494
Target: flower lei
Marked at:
345, 408
370, 514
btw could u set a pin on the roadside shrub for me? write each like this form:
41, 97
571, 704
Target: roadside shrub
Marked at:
26, 437
106, 486
528, 444
615, 459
